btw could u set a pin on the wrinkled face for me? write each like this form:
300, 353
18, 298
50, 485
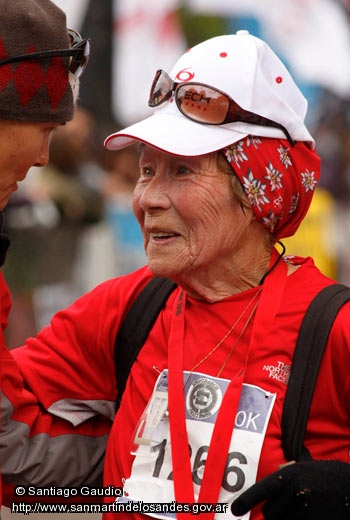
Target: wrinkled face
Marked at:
22, 145
190, 219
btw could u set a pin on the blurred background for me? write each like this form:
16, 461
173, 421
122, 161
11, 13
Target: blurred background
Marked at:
71, 223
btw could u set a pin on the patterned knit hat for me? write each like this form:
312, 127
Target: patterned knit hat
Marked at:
41, 90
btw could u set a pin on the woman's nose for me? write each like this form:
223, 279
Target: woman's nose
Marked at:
154, 195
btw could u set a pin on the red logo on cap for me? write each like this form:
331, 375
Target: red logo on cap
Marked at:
184, 75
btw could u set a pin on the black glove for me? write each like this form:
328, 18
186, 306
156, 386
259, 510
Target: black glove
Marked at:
312, 490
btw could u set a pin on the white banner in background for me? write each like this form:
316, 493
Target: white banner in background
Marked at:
147, 36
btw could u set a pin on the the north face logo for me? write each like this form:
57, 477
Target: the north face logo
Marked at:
280, 372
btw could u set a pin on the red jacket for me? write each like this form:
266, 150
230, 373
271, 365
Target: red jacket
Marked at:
5, 305
70, 389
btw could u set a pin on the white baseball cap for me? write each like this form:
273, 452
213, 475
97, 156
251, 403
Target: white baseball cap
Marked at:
249, 72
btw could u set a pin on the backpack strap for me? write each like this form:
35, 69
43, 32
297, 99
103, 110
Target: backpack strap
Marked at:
136, 327
311, 344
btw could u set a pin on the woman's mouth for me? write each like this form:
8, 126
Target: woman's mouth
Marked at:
162, 236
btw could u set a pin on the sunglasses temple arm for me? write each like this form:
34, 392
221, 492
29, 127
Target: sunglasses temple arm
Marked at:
287, 134
39, 55
284, 130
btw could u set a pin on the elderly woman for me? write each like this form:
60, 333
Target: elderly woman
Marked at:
227, 170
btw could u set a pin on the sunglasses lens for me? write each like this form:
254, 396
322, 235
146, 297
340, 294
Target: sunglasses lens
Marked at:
202, 104
80, 59
74, 37
161, 89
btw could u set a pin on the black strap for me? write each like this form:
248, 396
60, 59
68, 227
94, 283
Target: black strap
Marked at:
311, 343
136, 326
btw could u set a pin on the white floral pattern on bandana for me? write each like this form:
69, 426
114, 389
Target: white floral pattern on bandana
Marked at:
255, 190
309, 181
278, 179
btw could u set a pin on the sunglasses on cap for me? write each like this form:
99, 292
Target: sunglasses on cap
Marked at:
205, 104
79, 52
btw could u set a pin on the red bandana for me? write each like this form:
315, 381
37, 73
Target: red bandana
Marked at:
278, 179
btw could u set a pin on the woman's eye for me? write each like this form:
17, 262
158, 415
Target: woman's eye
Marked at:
146, 171
183, 170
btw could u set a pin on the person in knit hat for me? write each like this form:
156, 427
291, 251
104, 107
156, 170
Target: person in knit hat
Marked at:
228, 169
40, 65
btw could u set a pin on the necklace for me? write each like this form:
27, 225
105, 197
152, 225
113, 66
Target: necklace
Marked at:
254, 303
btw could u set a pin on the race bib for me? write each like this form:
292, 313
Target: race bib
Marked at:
151, 479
